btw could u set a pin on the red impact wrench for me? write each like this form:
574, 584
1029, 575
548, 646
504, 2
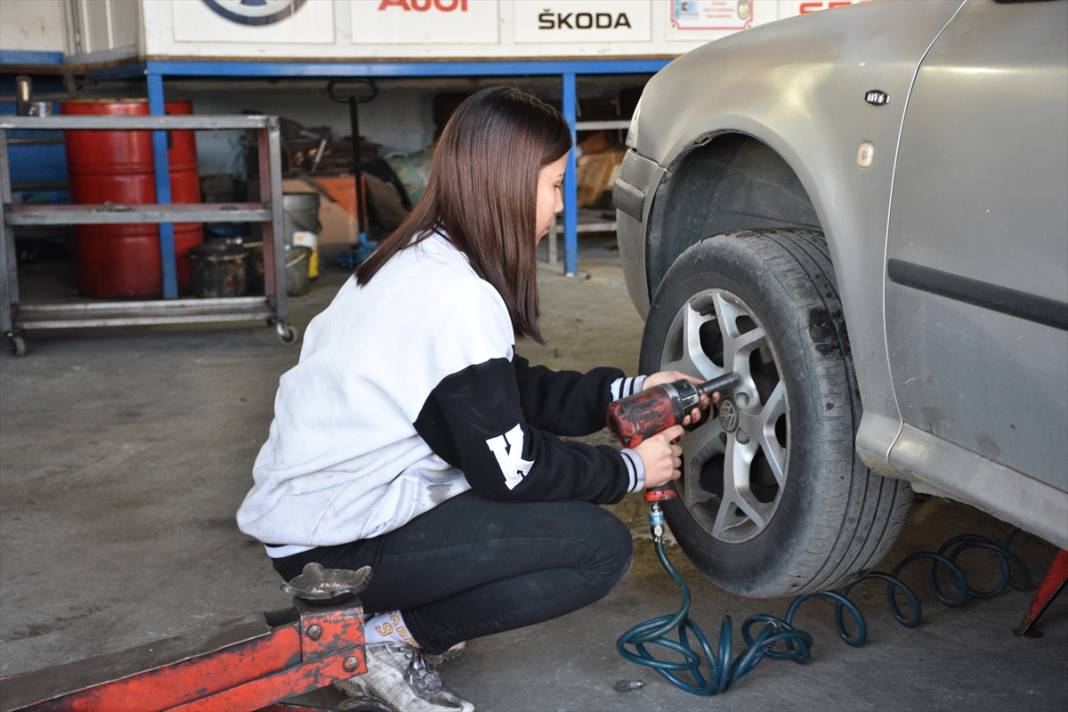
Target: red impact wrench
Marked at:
643, 415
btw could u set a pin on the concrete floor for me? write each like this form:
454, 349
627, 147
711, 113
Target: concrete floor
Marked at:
124, 455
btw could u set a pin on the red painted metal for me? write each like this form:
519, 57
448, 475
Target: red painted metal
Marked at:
660, 494
116, 166
247, 667
193, 678
641, 416
1051, 585
271, 688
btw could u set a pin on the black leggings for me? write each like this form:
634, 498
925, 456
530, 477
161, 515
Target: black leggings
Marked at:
471, 566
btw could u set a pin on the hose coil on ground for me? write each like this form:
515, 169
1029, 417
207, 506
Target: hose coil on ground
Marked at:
768, 636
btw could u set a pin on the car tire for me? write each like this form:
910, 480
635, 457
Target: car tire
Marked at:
802, 513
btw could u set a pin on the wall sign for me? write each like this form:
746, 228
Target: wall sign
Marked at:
582, 21
262, 23
424, 21
792, 8
255, 12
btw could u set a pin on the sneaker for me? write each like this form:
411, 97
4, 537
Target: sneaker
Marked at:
450, 654
400, 676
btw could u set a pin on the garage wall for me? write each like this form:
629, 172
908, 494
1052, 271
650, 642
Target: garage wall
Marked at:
398, 119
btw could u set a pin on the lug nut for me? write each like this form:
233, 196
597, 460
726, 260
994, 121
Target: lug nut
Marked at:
351, 663
742, 399
743, 437
314, 631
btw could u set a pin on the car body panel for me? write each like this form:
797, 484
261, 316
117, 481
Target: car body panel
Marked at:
981, 191
798, 86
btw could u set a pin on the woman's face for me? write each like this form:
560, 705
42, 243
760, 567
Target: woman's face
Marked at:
550, 196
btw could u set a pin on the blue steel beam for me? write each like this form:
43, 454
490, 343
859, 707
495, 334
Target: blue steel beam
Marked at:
157, 107
445, 68
29, 57
570, 101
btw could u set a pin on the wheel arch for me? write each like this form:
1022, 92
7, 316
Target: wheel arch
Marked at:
723, 182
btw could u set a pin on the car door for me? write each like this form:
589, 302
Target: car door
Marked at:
977, 250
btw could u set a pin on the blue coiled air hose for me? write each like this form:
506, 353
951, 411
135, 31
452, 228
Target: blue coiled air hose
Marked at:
711, 671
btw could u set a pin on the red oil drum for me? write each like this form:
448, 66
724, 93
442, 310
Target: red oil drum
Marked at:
116, 167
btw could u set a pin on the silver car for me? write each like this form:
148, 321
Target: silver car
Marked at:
864, 212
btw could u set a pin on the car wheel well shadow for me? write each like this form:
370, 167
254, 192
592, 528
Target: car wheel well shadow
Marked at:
725, 183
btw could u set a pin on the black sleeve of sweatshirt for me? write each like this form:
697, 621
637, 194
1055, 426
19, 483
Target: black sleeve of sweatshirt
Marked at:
564, 402
474, 420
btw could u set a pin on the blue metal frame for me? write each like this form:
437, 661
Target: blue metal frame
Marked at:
444, 68
570, 107
156, 107
29, 57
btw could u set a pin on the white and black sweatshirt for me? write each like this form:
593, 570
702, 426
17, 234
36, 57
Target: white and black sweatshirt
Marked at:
408, 392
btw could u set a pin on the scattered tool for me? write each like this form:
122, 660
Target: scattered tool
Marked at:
253, 663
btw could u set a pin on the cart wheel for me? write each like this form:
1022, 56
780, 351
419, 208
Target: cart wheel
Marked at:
286, 333
17, 345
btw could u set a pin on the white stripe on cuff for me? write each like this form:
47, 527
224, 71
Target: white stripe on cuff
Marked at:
635, 467
627, 386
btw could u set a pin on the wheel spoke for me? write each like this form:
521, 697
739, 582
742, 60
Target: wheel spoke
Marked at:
701, 364
704, 442
726, 315
741, 464
698, 447
773, 451
737, 345
736, 493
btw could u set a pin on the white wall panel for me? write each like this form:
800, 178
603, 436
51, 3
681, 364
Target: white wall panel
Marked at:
32, 25
569, 21
429, 29
400, 22
312, 23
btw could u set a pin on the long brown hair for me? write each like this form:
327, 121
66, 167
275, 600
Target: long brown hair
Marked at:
481, 193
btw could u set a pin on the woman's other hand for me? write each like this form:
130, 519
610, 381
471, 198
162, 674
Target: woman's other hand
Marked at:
661, 456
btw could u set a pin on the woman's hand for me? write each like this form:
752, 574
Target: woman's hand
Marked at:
661, 456
662, 377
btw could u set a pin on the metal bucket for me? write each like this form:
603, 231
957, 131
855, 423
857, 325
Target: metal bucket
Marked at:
218, 269
297, 282
301, 214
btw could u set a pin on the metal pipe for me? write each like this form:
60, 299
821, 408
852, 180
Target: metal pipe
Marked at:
118, 214
133, 123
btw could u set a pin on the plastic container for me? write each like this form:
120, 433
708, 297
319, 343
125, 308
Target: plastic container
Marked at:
303, 238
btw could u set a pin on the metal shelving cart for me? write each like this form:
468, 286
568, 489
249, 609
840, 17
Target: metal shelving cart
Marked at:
16, 318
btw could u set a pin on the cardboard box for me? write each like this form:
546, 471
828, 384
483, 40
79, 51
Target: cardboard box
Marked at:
597, 173
337, 206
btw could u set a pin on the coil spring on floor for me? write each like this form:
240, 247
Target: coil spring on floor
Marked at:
778, 638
